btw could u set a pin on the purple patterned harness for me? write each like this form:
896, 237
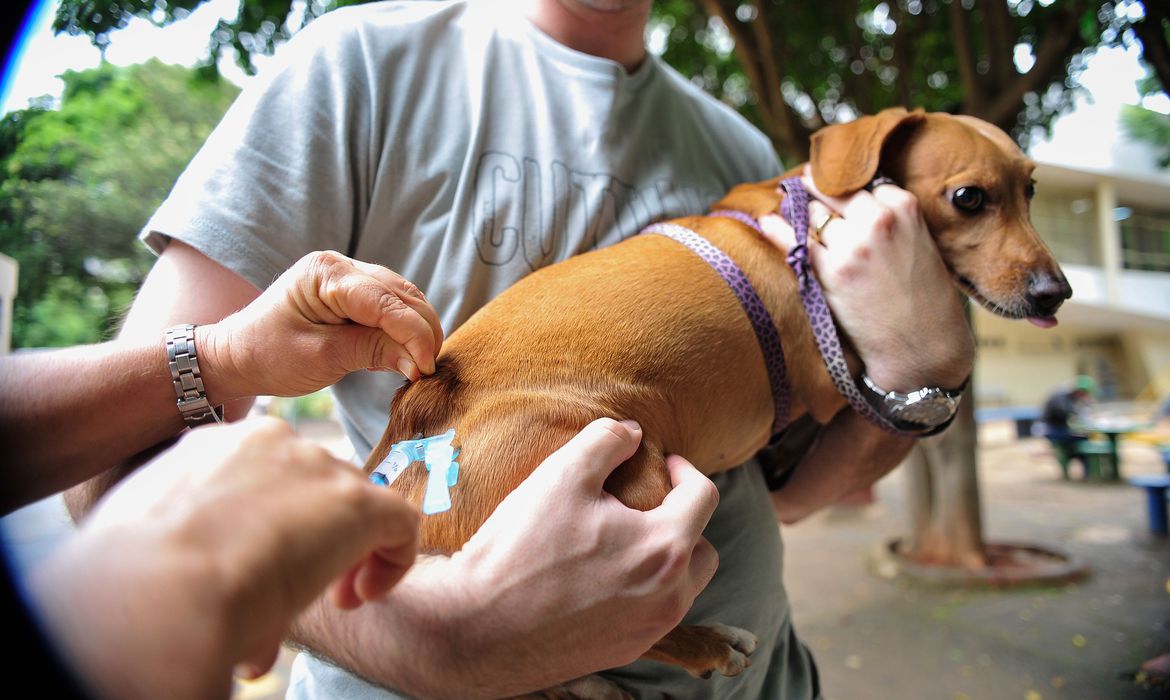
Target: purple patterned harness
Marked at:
794, 208
762, 323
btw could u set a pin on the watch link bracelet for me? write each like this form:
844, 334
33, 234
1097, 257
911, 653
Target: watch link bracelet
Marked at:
184, 364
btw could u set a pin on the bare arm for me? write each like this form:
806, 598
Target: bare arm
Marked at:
59, 406
183, 287
893, 298
849, 455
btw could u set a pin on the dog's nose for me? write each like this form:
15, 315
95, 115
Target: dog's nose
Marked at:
1046, 292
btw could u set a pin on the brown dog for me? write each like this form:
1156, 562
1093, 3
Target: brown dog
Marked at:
667, 344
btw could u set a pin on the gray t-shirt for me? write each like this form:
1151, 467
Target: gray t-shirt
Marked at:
456, 144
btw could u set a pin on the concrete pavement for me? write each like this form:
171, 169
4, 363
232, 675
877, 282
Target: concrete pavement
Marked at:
876, 638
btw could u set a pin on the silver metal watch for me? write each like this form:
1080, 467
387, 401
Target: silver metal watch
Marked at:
184, 364
925, 411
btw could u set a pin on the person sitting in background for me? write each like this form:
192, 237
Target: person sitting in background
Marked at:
1061, 407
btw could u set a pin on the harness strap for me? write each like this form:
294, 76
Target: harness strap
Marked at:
765, 328
794, 209
740, 216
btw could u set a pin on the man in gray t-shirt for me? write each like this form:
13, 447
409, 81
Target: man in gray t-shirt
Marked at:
465, 144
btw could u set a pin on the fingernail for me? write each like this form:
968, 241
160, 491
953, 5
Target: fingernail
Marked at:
407, 368
631, 424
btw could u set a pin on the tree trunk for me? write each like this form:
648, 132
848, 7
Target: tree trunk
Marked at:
945, 518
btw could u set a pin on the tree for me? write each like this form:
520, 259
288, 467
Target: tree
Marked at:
258, 28
798, 67
1151, 127
79, 181
1153, 31
792, 67
946, 520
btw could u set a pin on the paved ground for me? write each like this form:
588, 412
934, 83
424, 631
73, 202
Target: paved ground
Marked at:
876, 638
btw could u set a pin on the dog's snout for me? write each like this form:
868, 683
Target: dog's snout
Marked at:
1046, 292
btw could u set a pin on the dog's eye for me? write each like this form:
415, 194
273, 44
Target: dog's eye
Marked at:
1031, 191
968, 198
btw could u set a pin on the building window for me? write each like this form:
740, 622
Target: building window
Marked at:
1145, 238
1067, 221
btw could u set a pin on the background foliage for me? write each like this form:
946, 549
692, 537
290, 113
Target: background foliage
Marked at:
77, 182
1151, 127
793, 66
796, 66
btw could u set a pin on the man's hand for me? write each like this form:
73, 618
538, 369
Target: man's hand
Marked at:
199, 561
561, 581
326, 316
588, 576
890, 292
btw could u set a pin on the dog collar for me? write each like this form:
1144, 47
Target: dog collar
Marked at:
762, 323
439, 457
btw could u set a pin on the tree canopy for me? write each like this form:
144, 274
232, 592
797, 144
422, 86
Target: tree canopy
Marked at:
799, 66
78, 182
792, 66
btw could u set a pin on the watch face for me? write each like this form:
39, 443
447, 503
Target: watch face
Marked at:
931, 409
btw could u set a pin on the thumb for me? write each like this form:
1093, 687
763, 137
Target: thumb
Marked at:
692, 498
778, 232
374, 576
383, 546
591, 456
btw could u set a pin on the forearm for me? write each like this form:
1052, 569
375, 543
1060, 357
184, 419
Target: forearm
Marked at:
130, 405
69, 416
849, 454
439, 635
405, 641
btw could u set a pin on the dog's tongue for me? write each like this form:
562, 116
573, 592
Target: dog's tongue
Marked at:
1043, 321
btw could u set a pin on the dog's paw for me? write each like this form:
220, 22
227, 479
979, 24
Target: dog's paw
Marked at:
740, 645
704, 649
587, 688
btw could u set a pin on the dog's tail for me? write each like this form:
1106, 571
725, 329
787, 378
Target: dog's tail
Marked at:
421, 409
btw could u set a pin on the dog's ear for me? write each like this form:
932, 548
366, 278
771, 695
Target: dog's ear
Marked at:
844, 157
